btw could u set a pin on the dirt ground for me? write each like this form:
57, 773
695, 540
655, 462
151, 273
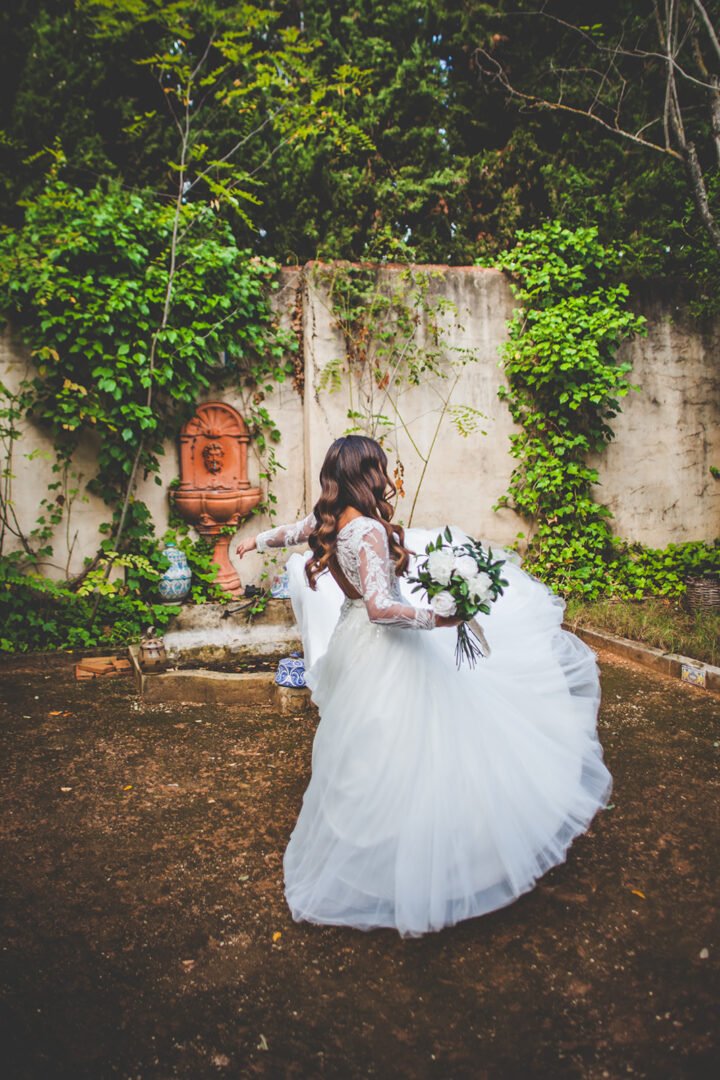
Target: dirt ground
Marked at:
145, 934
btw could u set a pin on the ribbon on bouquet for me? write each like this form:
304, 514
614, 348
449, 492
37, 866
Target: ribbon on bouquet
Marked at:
471, 643
478, 632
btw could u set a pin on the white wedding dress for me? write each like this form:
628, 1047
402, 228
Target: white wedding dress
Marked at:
436, 794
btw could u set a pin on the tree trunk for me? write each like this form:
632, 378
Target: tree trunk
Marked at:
714, 96
699, 194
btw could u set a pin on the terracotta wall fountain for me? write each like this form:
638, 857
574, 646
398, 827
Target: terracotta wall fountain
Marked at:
214, 490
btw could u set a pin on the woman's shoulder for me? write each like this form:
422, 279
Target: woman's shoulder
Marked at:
359, 526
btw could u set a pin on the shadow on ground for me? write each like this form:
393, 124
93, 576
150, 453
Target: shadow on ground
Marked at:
145, 933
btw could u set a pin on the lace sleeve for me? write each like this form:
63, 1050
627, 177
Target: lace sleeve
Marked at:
286, 535
379, 585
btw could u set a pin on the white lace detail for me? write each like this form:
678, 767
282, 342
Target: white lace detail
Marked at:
286, 535
364, 557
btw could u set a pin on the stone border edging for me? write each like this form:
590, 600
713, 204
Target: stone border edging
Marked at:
695, 672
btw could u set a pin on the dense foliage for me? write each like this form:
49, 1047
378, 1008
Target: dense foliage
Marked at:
86, 280
565, 385
441, 153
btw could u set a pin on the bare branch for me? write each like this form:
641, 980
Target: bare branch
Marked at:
666, 113
649, 54
708, 26
168, 102
238, 145
699, 193
675, 28
196, 70
542, 103
636, 53
659, 26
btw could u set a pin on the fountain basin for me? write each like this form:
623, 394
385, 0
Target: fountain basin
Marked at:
210, 507
222, 659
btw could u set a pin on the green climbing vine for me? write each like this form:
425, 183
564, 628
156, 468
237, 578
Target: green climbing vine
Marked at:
565, 383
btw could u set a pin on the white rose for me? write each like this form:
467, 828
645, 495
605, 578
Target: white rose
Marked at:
466, 567
440, 566
480, 587
443, 604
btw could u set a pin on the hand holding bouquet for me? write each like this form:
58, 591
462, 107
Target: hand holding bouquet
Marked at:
461, 580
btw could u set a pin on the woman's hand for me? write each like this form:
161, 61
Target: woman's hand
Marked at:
246, 545
447, 620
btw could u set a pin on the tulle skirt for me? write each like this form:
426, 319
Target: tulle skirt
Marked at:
439, 794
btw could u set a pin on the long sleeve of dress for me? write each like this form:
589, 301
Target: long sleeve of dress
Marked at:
379, 585
286, 535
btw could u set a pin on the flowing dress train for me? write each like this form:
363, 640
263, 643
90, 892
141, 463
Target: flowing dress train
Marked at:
436, 794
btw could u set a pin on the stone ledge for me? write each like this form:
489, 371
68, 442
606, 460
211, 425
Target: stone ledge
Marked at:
231, 613
208, 635
201, 686
695, 672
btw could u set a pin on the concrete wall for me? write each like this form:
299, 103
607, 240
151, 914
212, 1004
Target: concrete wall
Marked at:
655, 476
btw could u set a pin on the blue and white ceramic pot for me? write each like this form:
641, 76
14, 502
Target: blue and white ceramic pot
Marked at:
174, 584
280, 588
291, 671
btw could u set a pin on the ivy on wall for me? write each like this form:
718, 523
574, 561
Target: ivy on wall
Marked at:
85, 280
565, 385
84, 283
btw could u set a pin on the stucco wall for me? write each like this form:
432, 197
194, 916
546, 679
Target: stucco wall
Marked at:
655, 476
656, 473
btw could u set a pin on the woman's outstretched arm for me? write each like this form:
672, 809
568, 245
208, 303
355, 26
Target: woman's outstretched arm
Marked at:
280, 537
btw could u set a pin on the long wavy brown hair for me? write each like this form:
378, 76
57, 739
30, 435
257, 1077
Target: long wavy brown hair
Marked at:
354, 473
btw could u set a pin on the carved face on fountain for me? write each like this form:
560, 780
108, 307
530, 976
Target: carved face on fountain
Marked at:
213, 456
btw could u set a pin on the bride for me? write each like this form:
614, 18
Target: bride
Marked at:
437, 793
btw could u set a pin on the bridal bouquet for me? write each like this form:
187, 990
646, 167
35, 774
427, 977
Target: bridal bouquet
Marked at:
462, 580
